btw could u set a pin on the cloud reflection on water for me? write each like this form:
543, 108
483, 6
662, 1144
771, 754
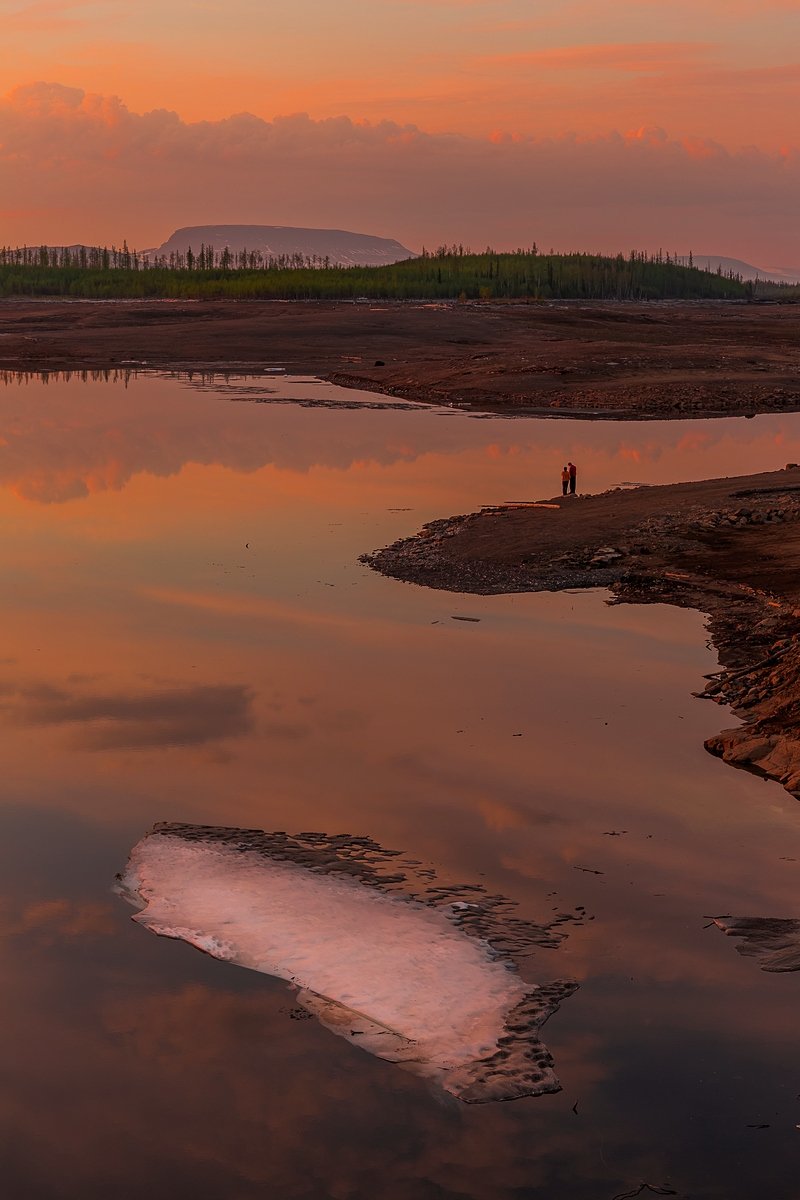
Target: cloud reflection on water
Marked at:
104, 721
137, 621
74, 441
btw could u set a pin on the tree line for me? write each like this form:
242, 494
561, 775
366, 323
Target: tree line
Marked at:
122, 258
448, 273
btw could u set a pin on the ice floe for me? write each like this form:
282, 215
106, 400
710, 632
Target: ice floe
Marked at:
425, 983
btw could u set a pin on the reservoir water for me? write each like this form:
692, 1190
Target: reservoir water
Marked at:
188, 635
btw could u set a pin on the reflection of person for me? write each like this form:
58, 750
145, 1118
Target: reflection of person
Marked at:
564, 481
573, 477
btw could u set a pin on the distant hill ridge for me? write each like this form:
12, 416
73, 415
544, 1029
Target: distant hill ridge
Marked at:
710, 262
339, 247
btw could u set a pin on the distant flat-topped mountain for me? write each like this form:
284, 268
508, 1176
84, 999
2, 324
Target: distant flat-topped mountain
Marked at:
711, 262
338, 246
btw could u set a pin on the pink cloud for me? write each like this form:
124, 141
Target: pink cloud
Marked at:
105, 172
47, 15
618, 56
701, 8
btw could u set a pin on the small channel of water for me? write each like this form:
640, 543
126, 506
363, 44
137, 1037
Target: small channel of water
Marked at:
188, 635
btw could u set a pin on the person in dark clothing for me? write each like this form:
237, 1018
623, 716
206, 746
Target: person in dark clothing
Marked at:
564, 481
573, 477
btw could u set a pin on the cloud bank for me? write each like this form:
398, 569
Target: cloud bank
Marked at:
76, 166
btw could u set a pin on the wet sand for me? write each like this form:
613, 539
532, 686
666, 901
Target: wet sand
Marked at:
659, 359
728, 547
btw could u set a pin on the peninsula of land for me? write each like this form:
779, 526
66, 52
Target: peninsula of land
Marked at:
728, 547
656, 359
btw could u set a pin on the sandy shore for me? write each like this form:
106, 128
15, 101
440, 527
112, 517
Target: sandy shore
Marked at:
728, 547
597, 359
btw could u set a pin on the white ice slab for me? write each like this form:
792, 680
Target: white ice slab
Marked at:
398, 978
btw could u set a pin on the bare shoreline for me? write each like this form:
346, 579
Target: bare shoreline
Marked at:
632, 361
729, 548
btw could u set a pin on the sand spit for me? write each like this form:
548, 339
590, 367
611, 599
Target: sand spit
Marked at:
417, 972
566, 358
728, 547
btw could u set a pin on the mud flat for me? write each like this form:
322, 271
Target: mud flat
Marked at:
728, 547
605, 360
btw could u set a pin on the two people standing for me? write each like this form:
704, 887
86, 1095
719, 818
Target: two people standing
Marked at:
569, 479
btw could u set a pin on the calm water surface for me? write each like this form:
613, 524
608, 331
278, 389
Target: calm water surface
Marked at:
188, 635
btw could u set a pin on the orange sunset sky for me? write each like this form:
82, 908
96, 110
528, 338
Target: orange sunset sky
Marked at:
581, 124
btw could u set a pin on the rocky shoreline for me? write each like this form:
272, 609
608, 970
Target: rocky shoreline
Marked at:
729, 548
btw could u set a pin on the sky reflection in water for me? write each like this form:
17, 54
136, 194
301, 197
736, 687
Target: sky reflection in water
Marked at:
188, 635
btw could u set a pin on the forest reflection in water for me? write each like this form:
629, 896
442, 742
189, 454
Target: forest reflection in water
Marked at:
188, 635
